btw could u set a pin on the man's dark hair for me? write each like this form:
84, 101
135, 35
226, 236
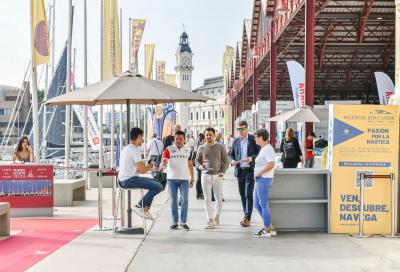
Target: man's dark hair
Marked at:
210, 129
181, 133
135, 133
201, 136
243, 123
263, 133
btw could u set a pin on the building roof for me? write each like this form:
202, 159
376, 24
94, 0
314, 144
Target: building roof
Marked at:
184, 44
211, 83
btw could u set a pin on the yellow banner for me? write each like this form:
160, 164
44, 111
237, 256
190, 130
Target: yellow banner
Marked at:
363, 139
170, 79
149, 60
39, 32
112, 63
160, 71
137, 29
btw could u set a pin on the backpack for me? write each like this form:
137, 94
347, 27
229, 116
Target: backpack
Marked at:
289, 150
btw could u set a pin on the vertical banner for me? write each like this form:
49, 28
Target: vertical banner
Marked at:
297, 79
160, 71
137, 29
148, 68
363, 139
112, 64
93, 129
385, 87
39, 32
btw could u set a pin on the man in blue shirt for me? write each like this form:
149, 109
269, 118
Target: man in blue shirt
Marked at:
243, 154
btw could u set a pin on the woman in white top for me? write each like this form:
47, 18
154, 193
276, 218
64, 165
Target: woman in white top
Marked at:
264, 174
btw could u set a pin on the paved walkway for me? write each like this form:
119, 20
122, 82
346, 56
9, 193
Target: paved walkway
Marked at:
232, 248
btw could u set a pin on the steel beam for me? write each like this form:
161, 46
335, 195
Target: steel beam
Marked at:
368, 4
309, 57
272, 101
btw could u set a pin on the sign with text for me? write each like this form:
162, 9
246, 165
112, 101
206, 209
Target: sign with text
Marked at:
27, 186
363, 139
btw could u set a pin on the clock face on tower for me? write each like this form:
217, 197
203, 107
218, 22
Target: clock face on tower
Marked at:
185, 61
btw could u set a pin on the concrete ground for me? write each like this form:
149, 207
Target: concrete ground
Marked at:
227, 248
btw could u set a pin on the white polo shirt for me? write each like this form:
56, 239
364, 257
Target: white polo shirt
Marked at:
130, 155
178, 162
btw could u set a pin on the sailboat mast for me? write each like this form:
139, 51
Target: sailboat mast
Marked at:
68, 89
85, 110
101, 142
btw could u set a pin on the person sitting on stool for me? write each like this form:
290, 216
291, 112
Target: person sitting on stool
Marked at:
131, 165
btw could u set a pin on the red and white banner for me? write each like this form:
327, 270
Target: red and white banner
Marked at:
27, 186
93, 130
297, 79
385, 87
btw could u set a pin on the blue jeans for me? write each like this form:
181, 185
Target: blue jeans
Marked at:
183, 186
152, 185
261, 197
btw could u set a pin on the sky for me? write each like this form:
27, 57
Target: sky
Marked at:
210, 24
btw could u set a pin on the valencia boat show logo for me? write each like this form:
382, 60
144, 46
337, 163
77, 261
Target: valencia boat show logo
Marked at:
343, 132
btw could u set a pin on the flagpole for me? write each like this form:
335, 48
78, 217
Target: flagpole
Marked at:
68, 89
85, 110
121, 109
53, 38
35, 113
44, 118
133, 107
101, 160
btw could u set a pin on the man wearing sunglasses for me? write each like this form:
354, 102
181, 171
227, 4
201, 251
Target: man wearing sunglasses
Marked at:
243, 153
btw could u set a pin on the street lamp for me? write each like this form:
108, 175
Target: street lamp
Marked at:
282, 8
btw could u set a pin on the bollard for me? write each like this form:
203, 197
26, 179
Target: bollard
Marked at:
393, 225
361, 213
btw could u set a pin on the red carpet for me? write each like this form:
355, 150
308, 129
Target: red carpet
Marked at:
36, 239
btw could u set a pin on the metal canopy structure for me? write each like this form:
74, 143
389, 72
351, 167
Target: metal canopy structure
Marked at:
352, 40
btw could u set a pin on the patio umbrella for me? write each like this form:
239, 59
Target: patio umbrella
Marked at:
303, 114
126, 89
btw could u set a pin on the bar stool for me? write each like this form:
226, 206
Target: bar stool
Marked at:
121, 190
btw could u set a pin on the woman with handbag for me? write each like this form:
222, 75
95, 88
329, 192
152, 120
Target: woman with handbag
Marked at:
291, 152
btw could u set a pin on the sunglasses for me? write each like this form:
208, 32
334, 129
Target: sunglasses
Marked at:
241, 128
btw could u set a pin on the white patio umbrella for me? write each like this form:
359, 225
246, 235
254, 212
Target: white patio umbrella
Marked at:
126, 89
303, 114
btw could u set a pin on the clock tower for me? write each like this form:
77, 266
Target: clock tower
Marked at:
183, 70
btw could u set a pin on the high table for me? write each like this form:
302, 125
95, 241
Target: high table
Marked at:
299, 199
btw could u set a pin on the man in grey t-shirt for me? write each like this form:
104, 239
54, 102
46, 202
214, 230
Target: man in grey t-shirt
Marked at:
212, 160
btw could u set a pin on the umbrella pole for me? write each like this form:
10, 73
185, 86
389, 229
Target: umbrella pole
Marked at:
129, 229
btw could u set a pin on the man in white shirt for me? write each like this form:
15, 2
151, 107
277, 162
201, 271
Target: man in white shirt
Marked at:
154, 150
180, 177
131, 165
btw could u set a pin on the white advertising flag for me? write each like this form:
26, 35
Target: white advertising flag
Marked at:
297, 79
385, 87
93, 130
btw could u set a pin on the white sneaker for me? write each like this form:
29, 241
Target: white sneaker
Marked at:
216, 221
210, 224
138, 211
148, 215
263, 234
273, 231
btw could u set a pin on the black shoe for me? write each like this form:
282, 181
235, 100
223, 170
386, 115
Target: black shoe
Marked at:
174, 227
199, 197
185, 227
223, 200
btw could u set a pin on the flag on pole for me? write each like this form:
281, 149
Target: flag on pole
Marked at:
385, 87
137, 29
39, 32
112, 63
297, 79
149, 60
160, 71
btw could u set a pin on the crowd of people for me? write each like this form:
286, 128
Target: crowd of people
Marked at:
252, 156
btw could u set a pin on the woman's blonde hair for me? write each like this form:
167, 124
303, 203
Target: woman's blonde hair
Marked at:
289, 134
